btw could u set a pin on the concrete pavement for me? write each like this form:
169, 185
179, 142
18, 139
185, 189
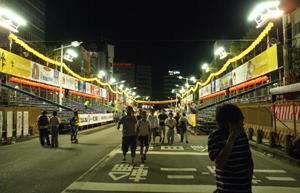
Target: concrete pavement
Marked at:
94, 165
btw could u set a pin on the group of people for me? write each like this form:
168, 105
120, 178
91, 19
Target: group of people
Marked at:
44, 123
144, 127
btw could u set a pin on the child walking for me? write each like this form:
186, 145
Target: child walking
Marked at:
143, 131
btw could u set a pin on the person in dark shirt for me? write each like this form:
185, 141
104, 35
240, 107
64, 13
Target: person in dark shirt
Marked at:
228, 147
177, 122
139, 116
43, 124
162, 128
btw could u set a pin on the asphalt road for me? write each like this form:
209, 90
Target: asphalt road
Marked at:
94, 165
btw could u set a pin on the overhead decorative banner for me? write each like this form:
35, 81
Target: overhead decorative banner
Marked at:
242, 73
70, 82
43, 74
14, 65
265, 62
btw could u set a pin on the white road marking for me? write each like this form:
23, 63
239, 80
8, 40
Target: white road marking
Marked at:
281, 179
130, 187
172, 148
269, 171
205, 173
200, 148
183, 177
170, 153
255, 181
120, 175
212, 169
179, 169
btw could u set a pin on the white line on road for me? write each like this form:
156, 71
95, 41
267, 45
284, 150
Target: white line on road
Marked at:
179, 169
171, 153
129, 187
182, 177
281, 179
269, 171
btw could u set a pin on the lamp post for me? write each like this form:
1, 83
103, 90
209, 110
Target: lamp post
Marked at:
130, 91
74, 44
113, 81
187, 85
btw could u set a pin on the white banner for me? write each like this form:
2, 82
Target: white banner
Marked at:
44, 74
87, 119
25, 123
19, 124
201, 93
9, 126
88, 88
217, 85
1, 124
206, 90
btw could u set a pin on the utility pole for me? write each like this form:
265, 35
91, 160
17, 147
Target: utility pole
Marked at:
285, 47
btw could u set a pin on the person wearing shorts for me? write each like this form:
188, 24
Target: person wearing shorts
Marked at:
143, 131
162, 128
129, 134
154, 124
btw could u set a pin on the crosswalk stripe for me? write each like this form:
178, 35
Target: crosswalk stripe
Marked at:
181, 177
281, 178
179, 169
269, 171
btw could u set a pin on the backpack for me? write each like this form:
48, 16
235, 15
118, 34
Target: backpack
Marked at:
43, 120
72, 121
182, 126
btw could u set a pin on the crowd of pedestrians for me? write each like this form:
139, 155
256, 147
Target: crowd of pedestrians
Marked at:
140, 129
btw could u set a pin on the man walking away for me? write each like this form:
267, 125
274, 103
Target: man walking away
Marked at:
228, 147
143, 131
154, 124
139, 116
170, 123
129, 134
183, 124
74, 127
162, 129
43, 124
86, 104
54, 122
177, 121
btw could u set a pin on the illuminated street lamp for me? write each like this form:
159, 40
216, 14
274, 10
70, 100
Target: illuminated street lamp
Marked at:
113, 82
69, 55
10, 21
187, 85
101, 74
74, 44
221, 52
264, 11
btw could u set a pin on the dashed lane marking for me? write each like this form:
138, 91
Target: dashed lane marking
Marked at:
281, 179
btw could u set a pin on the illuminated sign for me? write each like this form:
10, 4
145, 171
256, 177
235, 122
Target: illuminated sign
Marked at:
174, 72
122, 64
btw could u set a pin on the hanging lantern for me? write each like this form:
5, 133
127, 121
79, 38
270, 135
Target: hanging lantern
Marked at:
12, 79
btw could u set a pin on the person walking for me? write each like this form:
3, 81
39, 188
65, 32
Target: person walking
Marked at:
154, 124
183, 125
43, 125
139, 114
228, 148
86, 104
74, 127
177, 122
171, 124
162, 128
143, 132
129, 134
54, 123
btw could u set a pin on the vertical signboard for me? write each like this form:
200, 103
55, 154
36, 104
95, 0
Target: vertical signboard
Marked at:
88, 88
19, 124
1, 124
226, 81
9, 130
25, 123
76, 84
217, 85
56, 78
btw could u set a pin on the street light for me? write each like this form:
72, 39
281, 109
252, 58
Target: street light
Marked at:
221, 52
112, 82
187, 85
10, 21
74, 44
101, 74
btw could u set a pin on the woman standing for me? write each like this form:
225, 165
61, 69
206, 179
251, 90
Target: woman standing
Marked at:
143, 132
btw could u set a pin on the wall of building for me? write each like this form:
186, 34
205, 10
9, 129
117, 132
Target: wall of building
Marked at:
144, 80
125, 71
169, 84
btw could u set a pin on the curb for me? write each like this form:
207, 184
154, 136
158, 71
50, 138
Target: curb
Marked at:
278, 154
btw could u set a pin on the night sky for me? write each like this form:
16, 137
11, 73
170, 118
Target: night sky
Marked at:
166, 34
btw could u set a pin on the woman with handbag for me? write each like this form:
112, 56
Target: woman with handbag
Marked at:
143, 132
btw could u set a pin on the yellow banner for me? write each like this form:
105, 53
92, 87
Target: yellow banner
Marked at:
14, 65
193, 118
265, 62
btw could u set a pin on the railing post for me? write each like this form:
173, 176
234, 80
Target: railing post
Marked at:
258, 116
274, 117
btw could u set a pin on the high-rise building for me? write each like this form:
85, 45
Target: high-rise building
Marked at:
33, 12
169, 83
125, 71
143, 80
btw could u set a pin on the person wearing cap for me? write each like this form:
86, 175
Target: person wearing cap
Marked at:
43, 124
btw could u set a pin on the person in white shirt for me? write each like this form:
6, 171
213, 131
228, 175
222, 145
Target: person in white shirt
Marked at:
154, 124
54, 122
170, 124
143, 130
183, 125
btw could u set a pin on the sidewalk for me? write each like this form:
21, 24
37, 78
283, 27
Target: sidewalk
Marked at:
36, 135
276, 152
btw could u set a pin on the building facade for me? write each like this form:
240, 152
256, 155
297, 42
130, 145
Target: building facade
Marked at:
169, 83
125, 71
144, 80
